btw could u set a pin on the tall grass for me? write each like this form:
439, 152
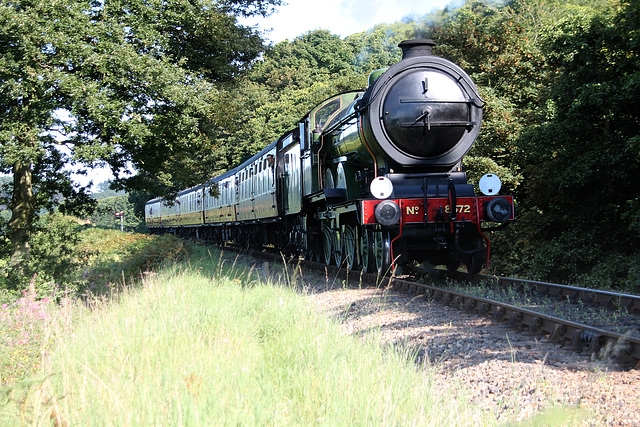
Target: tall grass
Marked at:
98, 263
216, 343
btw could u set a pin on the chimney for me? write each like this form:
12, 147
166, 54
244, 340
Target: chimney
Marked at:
416, 47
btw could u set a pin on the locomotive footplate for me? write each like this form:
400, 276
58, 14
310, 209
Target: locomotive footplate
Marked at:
332, 211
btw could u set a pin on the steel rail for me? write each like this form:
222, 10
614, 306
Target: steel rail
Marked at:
601, 298
612, 300
621, 350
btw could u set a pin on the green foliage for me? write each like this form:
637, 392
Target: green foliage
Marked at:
490, 42
496, 148
69, 259
104, 216
55, 242
52, 261
115, 259
581, 162
123, 83
315, 56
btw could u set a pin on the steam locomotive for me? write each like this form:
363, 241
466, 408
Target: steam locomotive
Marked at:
368, 179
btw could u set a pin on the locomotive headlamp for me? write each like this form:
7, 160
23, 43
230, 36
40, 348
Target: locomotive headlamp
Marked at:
387, 212
381, 187
490, 184
497, 210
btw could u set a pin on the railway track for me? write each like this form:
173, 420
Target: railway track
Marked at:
589, 297
617, 349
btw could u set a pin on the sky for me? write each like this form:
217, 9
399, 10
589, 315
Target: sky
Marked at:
341, 17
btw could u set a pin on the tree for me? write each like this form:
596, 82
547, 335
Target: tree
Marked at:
314, 56
104, 191
129, 83
582, 163
104, 217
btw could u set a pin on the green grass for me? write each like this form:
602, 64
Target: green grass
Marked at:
114, 258
217, 342
214, 343
103, 261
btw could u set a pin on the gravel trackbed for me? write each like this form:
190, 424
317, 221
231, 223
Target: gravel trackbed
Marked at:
505, 371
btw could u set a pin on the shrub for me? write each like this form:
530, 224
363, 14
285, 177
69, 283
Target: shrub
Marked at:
109, 258
24, 336
117, 258
53, 259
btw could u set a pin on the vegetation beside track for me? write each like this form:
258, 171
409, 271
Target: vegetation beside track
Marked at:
95, 265
214, 341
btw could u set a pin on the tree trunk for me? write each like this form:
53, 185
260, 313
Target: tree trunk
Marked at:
22, 210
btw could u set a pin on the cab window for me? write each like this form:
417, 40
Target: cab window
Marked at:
325, 112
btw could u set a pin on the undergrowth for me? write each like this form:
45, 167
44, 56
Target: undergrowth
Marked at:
103, 262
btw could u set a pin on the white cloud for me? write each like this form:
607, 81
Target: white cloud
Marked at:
342, 17
95, 175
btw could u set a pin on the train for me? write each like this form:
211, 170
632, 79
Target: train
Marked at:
370, 180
